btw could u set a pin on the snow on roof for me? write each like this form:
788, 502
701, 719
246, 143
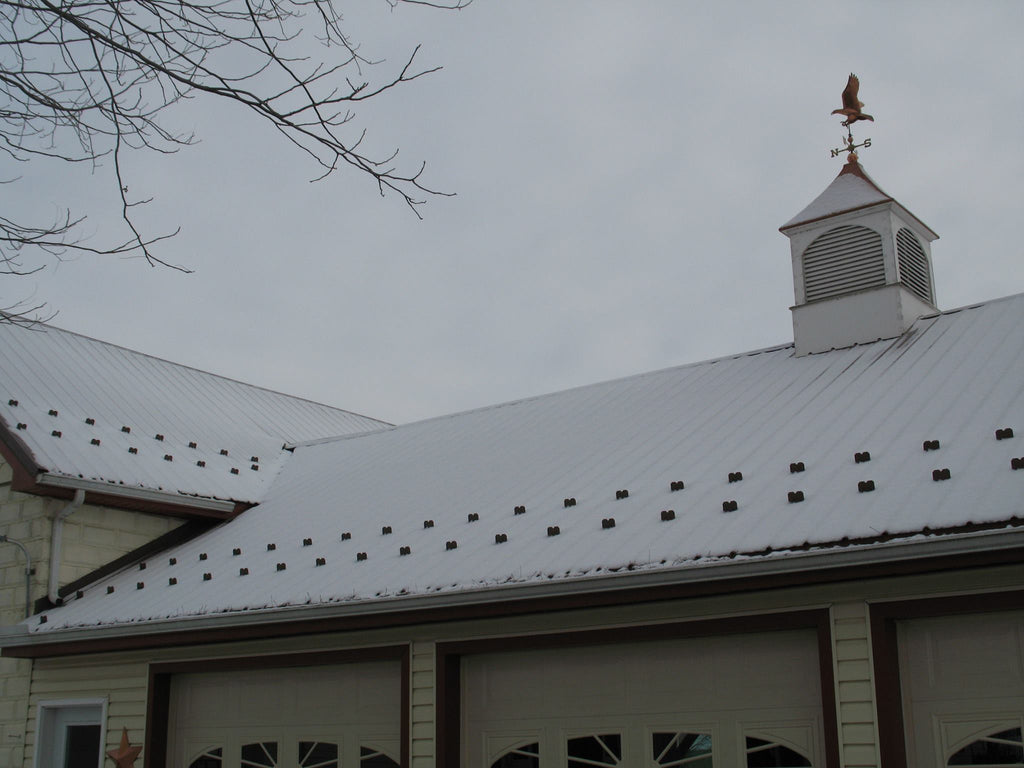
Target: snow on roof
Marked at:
91, 410
814, 451
850, 190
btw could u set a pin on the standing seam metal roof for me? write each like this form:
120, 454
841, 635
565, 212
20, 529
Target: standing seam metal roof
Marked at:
47, 370
956, 378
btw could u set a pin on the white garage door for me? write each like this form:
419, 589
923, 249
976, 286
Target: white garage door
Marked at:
962, 680
307, 717
743, 700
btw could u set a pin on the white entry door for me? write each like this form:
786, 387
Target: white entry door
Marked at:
305, 717
71, 734
720, 702
962, 683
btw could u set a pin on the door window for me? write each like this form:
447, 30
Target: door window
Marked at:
71, 734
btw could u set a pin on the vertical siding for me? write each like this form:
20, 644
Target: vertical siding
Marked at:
123, 685
858, 735
422, 705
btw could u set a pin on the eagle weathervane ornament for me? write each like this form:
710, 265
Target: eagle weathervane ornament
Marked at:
851, 110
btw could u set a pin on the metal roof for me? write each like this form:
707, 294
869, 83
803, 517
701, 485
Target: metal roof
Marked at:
749, 459
87, 410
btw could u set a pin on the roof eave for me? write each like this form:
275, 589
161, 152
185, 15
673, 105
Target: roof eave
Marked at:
786, 228
917, 555
31, 478
137, 498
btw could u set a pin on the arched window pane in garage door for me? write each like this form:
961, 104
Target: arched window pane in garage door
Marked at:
525, 756
673, 750
1004, 748
603, 751
211, 758
261, 754
767, 754
370, 757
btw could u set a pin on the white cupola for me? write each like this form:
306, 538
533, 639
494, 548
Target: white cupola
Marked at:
862, 265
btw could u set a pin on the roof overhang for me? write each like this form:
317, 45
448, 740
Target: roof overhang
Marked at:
918, 554
29, 477
142, 499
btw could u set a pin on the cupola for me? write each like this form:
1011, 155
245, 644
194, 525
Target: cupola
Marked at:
862, 265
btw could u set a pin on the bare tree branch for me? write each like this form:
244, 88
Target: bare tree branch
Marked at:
88, 80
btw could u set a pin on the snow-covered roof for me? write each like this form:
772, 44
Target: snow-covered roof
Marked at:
83, 409
851, 190
830, 451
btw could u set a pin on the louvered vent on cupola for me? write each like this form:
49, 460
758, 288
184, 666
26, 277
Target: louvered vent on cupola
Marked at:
843, 260
915, 272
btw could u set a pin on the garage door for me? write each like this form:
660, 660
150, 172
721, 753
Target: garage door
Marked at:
962, 680
743, 700
306, 717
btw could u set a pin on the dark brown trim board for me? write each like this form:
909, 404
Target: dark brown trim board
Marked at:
885, 618
448, 704
498, 607
158, 699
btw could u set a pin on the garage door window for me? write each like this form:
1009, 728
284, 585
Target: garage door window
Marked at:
371, 758
261, 754
318, 754
604, 751
312, 754
1004, 748
211, 758
523, 756
769, 754
692, 750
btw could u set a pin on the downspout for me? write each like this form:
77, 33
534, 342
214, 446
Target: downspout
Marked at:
55, 542
28, 571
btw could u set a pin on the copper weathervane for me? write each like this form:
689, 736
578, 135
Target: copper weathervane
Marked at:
851, 109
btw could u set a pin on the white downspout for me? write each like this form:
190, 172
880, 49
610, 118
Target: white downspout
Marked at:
58, 527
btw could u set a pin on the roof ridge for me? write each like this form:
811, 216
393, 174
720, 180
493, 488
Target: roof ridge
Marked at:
631, 377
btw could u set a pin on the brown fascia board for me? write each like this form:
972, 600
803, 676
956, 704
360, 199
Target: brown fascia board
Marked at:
18, 455
26, 471
504, 608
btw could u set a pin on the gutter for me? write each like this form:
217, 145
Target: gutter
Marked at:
135, 493
822, 565
55, 544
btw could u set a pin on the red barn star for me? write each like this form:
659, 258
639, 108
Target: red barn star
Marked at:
125, 755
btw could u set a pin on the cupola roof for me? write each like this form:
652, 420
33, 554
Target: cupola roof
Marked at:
851, 190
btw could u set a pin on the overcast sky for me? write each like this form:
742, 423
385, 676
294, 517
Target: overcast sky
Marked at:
621, 171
